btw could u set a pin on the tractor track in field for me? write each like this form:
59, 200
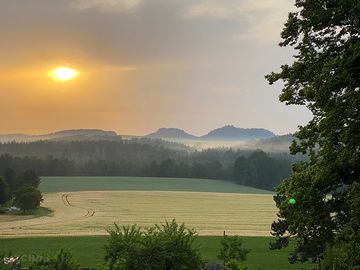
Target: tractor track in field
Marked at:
89, 212
65, 199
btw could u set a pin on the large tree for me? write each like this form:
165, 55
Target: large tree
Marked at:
325, 77
27, 198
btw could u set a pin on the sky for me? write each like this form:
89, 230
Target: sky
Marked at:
143, 64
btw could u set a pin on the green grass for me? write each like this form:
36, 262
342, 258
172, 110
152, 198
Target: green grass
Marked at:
89, 252
89, 183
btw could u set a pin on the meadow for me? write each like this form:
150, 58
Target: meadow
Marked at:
97, 183
89, 251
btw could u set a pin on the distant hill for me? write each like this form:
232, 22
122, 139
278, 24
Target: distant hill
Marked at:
172, 133
226, 133
69, 135
81, 132
233, 133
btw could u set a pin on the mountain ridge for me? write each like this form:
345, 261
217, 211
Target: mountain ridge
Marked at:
225, 133
171, 133
230, 132
69, 134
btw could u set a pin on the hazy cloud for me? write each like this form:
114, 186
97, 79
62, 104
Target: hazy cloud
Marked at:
195, 63
107, 5
261, 20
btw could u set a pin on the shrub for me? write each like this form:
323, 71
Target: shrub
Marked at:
231, 249
162, 247
214, 266
62, 261
232, 252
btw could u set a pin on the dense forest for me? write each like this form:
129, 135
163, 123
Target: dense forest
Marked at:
141, 158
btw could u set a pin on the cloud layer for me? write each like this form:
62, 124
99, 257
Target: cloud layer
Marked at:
146, 63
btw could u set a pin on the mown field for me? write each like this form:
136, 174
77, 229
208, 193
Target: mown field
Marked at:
88, 205
90, 212
88, 250
89, 183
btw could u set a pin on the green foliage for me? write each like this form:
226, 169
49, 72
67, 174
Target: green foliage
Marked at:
123, 246
214, 266
30, 178
4, 191
232, 264
10, 178
345, 253
344, 256
27, 198
325, 77
232, 252
261, 170
61, 261
10, 183
163, 247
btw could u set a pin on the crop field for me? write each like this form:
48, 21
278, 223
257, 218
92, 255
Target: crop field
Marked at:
90, 212
96, 183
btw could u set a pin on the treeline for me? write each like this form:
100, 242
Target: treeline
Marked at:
108, 158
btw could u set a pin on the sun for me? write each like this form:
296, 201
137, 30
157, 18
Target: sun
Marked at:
64, 73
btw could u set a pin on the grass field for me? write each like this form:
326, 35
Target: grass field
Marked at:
90, 212
89, 250
88, 183
84, 206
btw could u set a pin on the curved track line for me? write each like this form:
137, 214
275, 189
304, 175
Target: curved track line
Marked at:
66, 202
89, 212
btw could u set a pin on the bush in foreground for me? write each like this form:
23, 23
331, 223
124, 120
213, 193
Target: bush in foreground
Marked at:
168, 246
62, 261
232, 252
